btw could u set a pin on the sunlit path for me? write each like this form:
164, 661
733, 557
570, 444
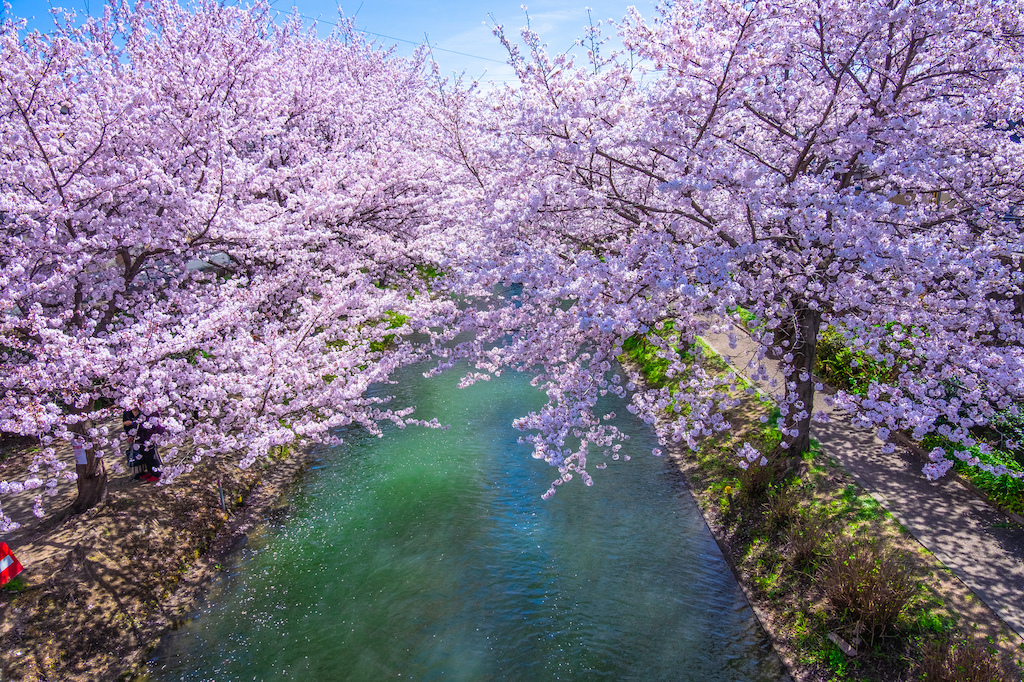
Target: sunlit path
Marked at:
964, 533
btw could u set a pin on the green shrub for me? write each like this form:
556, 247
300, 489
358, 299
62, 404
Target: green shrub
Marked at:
808, 537
944, 661
845, 368
1010, 430
866, 583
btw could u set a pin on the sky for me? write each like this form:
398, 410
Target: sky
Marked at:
455, 28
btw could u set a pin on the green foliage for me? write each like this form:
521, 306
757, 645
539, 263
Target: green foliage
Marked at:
835, 364
429, 271
836, 661
747, 317
769, 432
394, 321
16, 585
653, 364
1005, 490
845, 368
1010, 428
858, 504
190, 356
650, 359
854, 371
784, 529
769, 575
930, 621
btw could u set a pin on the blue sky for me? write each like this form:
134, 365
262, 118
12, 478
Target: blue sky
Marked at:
455, 25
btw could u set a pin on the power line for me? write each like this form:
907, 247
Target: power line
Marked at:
403, 40
382, 35
379, 35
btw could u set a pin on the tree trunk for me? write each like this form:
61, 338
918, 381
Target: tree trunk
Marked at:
800, 384
92, 476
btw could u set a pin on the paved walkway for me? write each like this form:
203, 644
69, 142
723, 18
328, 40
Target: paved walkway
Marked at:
967, 535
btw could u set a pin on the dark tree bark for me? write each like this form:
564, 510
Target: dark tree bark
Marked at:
800, 384
92, 476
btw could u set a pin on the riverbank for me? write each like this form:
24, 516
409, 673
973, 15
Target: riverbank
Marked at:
115, 580
791, 537
100, 589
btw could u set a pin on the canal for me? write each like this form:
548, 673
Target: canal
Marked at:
429, 555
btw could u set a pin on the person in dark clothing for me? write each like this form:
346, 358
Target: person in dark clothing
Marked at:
141, 429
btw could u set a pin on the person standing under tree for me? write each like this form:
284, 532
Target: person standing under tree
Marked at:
141, 429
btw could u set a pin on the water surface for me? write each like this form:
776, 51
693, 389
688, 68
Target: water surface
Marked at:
429, 555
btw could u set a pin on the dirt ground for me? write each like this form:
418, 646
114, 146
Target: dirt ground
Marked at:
98, 590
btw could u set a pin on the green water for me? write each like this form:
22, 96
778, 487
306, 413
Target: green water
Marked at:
429, 555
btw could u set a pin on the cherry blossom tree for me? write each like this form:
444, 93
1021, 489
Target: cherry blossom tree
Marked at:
222, 220
233, 224
816, 162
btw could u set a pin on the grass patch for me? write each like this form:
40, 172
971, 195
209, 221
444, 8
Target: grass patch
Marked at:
17, 584
749, 320
650, 359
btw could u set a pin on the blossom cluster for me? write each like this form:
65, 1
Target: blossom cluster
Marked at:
227, 222
820, 164
246, 243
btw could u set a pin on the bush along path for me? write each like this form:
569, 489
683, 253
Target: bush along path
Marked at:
845, 553
854, 371
844, 591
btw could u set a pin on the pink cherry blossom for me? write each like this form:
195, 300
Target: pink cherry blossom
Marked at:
220, 219
819, 163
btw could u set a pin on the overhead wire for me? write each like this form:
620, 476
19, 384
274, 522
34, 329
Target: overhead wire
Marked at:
383, 35
400, 40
